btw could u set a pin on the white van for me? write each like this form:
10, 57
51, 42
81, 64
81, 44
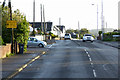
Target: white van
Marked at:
67, 36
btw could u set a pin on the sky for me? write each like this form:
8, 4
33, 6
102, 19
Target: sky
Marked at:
71, 11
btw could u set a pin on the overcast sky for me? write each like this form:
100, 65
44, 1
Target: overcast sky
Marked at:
71, 11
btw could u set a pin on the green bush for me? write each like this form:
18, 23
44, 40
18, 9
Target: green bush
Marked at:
33, 33
8, 55
93, 36
109, 36
1, 41
107, 39
21, 33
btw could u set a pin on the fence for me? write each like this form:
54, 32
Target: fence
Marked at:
4, 50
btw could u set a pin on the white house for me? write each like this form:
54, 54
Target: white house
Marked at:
56, 31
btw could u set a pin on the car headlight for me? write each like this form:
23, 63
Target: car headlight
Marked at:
84, 38
92, 38
45, 43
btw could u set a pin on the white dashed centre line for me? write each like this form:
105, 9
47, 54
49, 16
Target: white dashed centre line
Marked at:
85, 50
94, 72
88, 55
90, 59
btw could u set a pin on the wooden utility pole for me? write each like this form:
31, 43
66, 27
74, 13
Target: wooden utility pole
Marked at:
78, 26
78, 29
12, 38
41, 19
106, 27
3, 3
44, 20
59, 21
33, 18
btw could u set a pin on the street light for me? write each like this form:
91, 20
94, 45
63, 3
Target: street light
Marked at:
102, 18
97, 18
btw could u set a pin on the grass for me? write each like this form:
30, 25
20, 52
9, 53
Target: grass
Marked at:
8, 55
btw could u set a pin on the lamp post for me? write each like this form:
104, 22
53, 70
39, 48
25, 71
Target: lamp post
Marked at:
97, 18
79, 29
102, 19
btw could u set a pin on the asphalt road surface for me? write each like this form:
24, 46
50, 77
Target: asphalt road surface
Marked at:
74, 59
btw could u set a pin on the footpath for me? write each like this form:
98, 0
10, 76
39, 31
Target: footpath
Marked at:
114, 44
12, 65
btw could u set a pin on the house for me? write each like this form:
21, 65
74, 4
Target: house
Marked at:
62, 28
56, 30
38, 25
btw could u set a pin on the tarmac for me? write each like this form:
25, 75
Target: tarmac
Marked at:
12, 65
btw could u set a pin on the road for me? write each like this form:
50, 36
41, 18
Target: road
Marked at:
74, 59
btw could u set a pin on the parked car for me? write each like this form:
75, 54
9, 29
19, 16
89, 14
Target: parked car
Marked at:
32, 41
67, 36
88, 37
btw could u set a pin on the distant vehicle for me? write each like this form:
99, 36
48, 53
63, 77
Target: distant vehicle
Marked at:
67, 36
32, 41
73, 35
88, 37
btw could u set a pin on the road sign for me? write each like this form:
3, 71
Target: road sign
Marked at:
11, 24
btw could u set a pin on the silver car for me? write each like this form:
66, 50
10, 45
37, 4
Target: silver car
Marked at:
67, 36
32, 41
88, 37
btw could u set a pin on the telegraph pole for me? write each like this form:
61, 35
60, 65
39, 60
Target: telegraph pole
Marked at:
79, 29
59, 21
3, 3
41, 19
106, 27
33, 18
78, 26
12, 40
44, 19
44, 22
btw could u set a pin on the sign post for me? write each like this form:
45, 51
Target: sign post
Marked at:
12, 24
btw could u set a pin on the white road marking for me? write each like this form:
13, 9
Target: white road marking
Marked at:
92, 65
94, 73
90, 59
88, 55
104, 67
50, 46
85, 50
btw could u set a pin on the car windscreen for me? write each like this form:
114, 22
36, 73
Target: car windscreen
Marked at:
88, 35
66, 34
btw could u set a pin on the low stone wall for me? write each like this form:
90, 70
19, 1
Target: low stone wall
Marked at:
4, 50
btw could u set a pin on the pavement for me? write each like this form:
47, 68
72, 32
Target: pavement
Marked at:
12, 65
10, 69
50, 41
114, 44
